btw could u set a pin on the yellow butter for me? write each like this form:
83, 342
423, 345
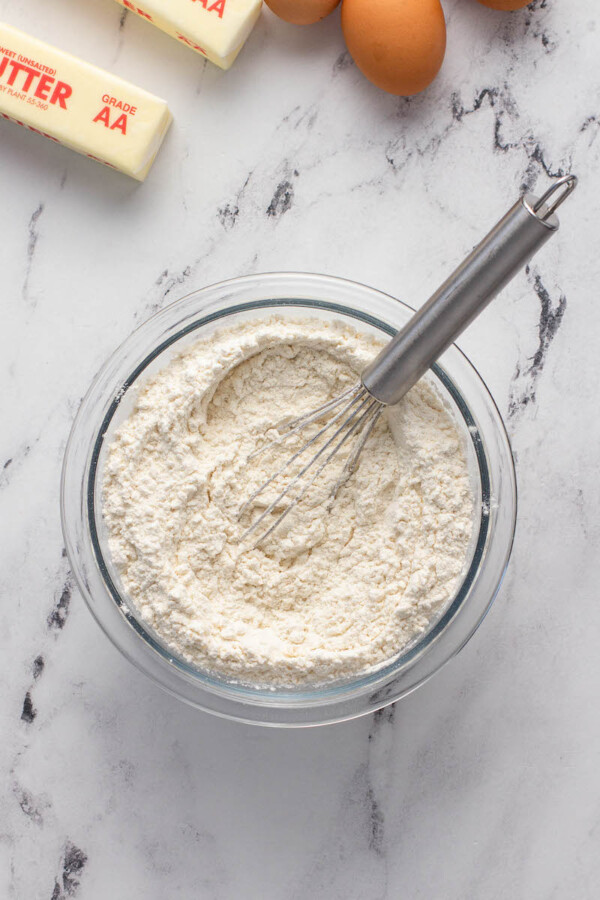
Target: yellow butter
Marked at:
79, 105
215, 28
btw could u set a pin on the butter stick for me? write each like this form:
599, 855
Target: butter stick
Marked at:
215, 28
79, 105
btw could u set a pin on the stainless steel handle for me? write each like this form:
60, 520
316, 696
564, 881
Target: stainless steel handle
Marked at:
486, 270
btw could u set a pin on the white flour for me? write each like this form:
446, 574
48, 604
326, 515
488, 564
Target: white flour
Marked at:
331, 593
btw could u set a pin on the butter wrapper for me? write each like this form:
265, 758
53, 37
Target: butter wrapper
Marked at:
217, 29
76, 104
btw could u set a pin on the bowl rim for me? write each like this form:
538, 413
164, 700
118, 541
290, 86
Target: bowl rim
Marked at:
304, 706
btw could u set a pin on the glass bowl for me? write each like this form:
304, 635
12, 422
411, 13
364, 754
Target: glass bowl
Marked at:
110, 399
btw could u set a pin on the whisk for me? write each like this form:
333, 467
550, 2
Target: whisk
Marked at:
352, 416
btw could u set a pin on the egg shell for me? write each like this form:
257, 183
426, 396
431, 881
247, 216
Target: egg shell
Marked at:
302, 12
398, 45
506, 5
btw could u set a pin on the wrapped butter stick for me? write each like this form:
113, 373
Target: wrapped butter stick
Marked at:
215, 28
76, 104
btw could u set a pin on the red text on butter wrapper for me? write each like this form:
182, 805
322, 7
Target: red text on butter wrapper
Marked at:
21, 77
116, 121
137, 10
29, 127
52, 138
186, 40
217, 6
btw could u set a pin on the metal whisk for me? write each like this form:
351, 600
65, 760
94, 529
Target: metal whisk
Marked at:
354, 413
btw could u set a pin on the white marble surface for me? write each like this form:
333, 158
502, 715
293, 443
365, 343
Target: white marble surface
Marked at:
485, 782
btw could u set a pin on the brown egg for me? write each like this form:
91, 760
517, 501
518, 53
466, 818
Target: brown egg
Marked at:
399, 45
302, 12
505, 4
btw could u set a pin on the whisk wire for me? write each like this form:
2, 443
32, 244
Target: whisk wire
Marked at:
295, 425
346, 409
314, 414
354, 428
291, 484
364, 411
351, 462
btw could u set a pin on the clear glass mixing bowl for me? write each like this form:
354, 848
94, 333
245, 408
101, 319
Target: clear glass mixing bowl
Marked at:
110, 399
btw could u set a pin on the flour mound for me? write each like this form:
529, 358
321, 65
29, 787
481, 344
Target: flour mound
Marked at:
338, 589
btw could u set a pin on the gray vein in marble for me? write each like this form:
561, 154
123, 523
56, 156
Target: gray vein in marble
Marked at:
29, 711
38, 666
227, 215
167, 282
59, 614
343, 62
300, 115
530, 23
203, 66
504, 106
382, 723
123, 15
537, 163
591, 124
33, 234
588, 521
282, 199
499, 100
73, 863
32, 807
359, 833
459, 111
524, 381
283, 196
13, 464
377, 823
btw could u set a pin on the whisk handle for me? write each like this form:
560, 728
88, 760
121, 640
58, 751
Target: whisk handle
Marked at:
487, 269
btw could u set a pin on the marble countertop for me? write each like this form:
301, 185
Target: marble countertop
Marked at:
485, 782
